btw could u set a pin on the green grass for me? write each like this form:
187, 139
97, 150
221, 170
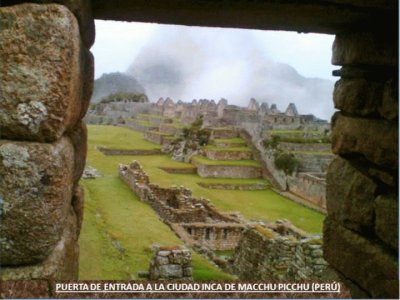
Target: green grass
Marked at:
117, 137
233, 141
160, 133
113, 212
141, 123
206, 161
231, 149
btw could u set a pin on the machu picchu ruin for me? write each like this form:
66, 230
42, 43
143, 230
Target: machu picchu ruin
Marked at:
243, 142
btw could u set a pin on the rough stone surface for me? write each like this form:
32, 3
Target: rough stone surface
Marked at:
79, 140
374, 139
364, 48
35, 193
220, 171
364, 262
171, 262
358, 96
390, 104
264, 254
39, 101
350, 196
78, 206
61, 264
387, 220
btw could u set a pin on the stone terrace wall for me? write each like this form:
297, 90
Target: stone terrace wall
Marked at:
220, 236
110, 151
305, 147
263, 254
46, 83
309, 187
228, 171
228, 155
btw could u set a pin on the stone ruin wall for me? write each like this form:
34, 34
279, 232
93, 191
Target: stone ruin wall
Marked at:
310, 187
361, 228
264, 254
43, 138
181, 211
171, 263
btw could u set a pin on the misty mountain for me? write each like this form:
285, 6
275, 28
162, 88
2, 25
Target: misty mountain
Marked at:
186, 64
112, 83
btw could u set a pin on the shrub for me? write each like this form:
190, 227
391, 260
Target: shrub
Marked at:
273, 142
125, 97
286, 162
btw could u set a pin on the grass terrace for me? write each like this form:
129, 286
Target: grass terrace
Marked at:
118, 229
205, 161
233, 149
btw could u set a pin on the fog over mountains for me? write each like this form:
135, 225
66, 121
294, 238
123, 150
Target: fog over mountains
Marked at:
192, 63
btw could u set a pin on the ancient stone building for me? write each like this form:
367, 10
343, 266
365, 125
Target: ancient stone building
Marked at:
43, 100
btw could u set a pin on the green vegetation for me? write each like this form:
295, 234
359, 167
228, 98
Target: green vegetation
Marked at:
298, 136
125, 97
206, 161
159, 133
232, 149
118, 229
286, 162
117, 137
197, 134
233, 141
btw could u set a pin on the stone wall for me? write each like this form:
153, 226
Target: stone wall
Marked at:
221, 171
361, 229
305, 147
46, 84
220, 154
181, 211
264, 254
309, 187
171, 262
110, 151
215, 236
314, 162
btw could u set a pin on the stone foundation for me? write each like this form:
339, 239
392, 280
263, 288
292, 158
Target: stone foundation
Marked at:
172, 263
180, 210
266, 254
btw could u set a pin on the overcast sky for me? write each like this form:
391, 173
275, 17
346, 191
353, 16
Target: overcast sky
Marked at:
227, 60
118, 43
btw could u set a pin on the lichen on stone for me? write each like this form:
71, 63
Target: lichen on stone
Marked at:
14, 156
32, 114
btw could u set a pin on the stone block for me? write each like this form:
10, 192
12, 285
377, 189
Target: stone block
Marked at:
87, 75
364, 48
358, 96
78, 206
40, 88
390, 103
387, 220
375, 139
366, 263
350, 195
61, 264
35, 193
171, 271
82, 9
78, 138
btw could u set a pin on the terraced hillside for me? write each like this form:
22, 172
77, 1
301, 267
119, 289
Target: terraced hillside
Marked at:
119, 230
